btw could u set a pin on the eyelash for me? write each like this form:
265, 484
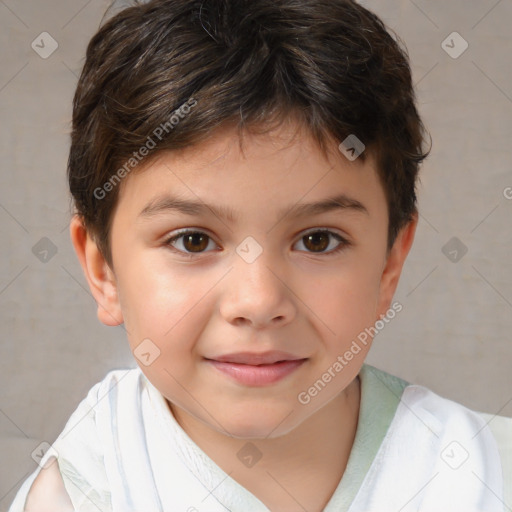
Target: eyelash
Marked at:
344, 243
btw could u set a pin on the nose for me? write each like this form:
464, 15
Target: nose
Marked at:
257, 294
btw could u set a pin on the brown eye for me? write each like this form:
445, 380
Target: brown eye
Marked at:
195, 242
323, 242
189, 242
317, 242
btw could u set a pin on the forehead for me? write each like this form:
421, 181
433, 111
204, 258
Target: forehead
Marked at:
282, 166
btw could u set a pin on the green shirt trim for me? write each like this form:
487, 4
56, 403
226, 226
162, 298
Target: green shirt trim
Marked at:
380, 396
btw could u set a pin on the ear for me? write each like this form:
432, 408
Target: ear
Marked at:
394, 263
100, 277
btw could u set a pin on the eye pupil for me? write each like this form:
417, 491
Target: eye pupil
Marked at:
198, 242
314, 242
321, 238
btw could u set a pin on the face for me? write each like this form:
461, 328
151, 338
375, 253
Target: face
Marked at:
237, 304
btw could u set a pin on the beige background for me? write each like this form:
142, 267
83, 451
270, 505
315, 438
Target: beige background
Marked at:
453, 334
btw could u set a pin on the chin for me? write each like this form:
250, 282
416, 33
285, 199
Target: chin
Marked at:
260, 424
254, 431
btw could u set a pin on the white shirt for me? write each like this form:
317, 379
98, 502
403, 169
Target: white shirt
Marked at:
123, 451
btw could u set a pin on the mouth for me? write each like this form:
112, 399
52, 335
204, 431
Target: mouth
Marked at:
257, 369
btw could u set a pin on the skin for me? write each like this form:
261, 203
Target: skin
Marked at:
297, 297
47, 493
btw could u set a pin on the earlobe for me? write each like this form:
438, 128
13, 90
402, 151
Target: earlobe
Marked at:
394, 264
98, 273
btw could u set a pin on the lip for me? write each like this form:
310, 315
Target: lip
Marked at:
257, 369
255, 358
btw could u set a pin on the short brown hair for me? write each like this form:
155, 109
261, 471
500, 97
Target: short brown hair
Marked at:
332, 64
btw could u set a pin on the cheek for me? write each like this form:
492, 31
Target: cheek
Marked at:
162, 304
346, 300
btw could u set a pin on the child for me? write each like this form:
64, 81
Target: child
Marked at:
244, 176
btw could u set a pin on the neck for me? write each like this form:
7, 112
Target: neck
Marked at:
308, 462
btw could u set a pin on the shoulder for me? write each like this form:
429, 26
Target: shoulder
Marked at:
114, 382
468, 427
85, 424
79, 473
501, 428
442, 411
433, 408
48, 492
439, 441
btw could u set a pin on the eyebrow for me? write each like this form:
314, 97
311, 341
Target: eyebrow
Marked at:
166, 204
